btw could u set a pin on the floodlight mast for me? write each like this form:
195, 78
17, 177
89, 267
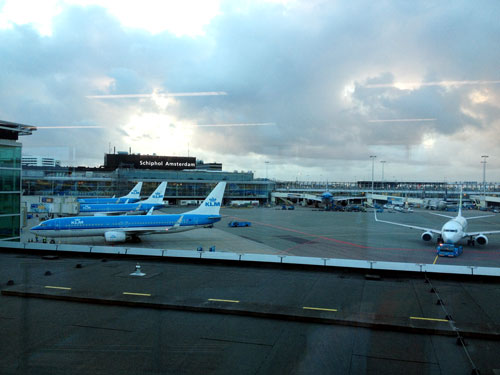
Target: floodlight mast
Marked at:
373, 169
483, 162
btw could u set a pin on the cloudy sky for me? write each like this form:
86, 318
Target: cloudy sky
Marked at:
312, 87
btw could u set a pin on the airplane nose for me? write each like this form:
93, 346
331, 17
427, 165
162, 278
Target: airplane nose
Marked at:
446, 238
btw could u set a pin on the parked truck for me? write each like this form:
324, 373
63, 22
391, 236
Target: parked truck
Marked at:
449, 250
239, 224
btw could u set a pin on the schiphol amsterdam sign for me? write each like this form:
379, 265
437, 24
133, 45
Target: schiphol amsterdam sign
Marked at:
150, 162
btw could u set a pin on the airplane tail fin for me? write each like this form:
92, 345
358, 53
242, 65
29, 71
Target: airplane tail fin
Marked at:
212, 204
135, 193
158, 194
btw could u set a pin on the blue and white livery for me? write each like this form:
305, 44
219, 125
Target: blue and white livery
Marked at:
132, 197
154, 201
123, 228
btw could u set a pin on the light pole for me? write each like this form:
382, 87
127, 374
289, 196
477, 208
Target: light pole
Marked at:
484, 177
373, 169
267, 186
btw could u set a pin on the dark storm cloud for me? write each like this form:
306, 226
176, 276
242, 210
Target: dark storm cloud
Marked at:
289, 66
428, 102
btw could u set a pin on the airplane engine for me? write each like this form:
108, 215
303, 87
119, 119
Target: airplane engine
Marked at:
481, 239
427, 236
115, 236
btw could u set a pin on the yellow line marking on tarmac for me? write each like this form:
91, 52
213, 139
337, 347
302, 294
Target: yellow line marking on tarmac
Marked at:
433, 319
223, 300
435, 259
318, 308
57, 287
137, 294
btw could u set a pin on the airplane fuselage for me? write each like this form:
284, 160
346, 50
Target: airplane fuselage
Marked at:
454, 230
98, 226
106, 200
118, 207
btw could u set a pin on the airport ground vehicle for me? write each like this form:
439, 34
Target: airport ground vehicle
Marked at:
239, 224
449, 250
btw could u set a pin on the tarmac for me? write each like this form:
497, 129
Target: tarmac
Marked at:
314, 233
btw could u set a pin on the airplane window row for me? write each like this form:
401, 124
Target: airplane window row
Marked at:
139, 223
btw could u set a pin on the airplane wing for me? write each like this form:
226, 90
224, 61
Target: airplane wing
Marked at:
437, 231
178, 222
468, 234
442, 215
110, 213
145, 230
343, 198
139, 231
335, 198
478, 217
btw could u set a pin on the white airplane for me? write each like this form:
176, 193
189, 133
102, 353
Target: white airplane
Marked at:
452, 231
329, 200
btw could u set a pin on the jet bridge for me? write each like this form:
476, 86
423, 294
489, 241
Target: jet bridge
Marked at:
286, 197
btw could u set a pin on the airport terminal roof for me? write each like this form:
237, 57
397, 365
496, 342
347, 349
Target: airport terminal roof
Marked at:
79, 315
12, 130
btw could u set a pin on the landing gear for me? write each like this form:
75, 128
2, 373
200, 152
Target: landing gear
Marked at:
471, 242
135, 239
440, 240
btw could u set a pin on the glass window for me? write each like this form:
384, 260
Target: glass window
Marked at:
10, 157
9, 203
10, 180
9, 226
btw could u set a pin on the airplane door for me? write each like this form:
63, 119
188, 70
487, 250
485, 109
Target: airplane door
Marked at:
57, 225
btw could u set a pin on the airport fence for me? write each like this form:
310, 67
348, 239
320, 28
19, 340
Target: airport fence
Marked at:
211, 254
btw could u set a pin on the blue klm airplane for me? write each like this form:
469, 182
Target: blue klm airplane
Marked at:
132, 197
155, 200
123, 228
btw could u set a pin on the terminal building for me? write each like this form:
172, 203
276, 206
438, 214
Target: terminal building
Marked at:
10, 179
39, 161
188, 179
